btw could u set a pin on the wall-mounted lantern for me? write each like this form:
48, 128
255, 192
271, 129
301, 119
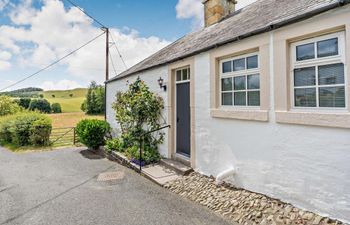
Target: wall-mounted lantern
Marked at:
161, 83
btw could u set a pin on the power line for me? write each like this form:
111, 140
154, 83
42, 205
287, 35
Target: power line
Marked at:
115, 71
75, 5
55, 62
102, 26
120, 55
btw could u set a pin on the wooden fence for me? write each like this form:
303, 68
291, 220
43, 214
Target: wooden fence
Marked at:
64, 136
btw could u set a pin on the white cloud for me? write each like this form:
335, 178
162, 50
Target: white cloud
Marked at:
6, 83
61, 85
3, 3
4, 65
193, 9
5, 55
42, 35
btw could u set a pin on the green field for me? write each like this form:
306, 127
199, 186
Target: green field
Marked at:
68, 103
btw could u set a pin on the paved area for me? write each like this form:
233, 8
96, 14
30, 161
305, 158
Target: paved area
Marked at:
61, 188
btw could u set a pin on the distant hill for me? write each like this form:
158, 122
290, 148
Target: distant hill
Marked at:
78, 92
70, 100
30, 92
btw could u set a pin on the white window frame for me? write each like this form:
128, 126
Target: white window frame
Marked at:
233, 74
182, 80
316, 62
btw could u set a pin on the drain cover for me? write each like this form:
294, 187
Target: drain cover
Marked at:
110, 176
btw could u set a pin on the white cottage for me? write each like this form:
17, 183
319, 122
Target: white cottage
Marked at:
263, 92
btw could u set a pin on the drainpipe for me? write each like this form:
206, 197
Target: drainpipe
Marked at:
224, 175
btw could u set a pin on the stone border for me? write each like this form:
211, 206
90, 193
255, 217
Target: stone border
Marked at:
235, 204
117, 157
243, 206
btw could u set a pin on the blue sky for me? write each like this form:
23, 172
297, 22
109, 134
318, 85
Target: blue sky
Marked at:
150, 17
34, 33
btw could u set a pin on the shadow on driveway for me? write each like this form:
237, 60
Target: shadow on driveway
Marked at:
90, 155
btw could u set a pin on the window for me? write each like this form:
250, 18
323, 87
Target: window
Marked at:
183, 74
240, 81
319, 73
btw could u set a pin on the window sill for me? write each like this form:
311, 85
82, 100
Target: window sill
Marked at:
240, 114
337, 119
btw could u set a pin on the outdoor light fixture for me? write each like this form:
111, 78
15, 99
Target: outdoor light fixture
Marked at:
161, 83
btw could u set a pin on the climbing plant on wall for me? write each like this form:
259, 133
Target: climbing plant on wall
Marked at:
138, 110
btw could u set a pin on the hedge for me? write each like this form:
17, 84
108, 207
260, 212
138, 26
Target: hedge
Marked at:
25, 129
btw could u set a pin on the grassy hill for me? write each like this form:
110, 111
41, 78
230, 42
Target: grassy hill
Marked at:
70, 100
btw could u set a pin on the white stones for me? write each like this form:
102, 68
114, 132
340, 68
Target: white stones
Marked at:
241, 205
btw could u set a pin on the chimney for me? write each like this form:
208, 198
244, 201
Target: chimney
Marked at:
215, 10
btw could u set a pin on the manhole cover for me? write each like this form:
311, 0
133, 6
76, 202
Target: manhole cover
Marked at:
110, 176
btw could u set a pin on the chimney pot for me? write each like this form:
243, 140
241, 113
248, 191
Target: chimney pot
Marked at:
215, 10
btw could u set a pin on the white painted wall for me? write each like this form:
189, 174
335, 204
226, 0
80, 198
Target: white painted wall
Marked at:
151, 79
304, 165
307, 166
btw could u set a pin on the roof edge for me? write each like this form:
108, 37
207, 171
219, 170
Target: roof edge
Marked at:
268, 28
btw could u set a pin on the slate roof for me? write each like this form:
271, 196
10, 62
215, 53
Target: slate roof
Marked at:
256, 18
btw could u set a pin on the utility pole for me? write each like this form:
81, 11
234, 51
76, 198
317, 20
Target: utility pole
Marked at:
107, 52
107, 67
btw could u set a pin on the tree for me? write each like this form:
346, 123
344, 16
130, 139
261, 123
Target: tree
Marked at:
71, 95
24, 102
56, 108
41, 95
8, 106
54, 96
95, 99
41, 105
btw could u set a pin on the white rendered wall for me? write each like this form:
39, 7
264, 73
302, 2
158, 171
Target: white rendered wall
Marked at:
307, 166
151, 79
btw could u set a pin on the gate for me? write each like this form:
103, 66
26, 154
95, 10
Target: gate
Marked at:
64, 136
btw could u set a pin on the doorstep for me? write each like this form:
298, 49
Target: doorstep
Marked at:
177, 166
158, 173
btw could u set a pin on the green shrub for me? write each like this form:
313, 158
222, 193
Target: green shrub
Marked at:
40, 132
116, 144
8, 106
133, 152
41, 105
24, 129
56, 108
24, 102
6, 123
149, 154
92, 132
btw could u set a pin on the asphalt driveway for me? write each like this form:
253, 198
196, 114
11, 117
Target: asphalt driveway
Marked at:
61, 188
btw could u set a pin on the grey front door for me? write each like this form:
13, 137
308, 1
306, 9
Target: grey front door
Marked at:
183, 119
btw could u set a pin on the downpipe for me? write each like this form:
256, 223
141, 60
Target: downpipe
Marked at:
224, 175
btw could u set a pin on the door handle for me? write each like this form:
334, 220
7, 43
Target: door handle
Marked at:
178, 119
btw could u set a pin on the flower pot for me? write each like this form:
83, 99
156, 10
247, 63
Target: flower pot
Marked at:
137, 162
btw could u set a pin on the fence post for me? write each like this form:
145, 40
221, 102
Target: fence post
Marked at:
74, 136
